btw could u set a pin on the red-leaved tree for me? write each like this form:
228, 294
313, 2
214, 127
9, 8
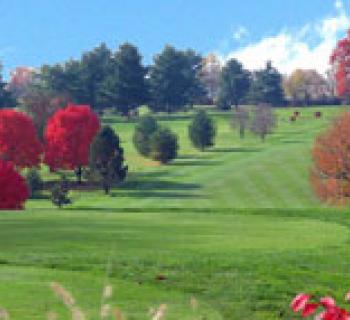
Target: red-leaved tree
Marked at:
330, 175
18, 139
68, 137
340, 60
14, 191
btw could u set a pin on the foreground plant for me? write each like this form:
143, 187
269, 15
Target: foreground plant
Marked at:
326, 308
107, 309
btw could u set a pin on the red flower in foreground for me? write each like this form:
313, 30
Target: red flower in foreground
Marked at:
331, 311
299, 302
14, 191
328, 302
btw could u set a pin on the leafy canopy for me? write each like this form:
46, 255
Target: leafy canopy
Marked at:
68, 137
144, 129
18, 139
174, 79
163, 145
202, 131
107, 159
14, 191
267, 86
233, 84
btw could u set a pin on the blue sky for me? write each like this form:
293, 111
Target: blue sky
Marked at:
290, 32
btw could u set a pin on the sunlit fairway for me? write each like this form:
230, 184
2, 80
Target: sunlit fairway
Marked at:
236, 227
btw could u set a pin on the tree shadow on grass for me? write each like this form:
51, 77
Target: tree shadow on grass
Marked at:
148, 175
234, 150
289, 133
291, 141
40, 196
195, 162
149, 186
155, 194
136, 185
187, 156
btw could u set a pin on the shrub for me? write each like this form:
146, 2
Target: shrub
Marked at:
163, 145
59, 194
107, 159
202, 131
34, 182
143, 131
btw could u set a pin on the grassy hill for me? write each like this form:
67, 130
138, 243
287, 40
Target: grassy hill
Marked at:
236, 227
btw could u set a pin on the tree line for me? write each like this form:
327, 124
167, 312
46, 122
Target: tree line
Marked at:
176, 80
173, 82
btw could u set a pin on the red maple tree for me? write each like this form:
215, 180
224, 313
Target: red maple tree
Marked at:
330, 175
14, 190
18, 139
340, 60
68, 136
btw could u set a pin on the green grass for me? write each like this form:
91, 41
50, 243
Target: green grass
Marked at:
237, 227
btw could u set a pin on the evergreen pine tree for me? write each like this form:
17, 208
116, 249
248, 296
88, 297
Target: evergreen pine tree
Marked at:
163, 145
267, 87
107, 159
143, 131
202, 131
233, 85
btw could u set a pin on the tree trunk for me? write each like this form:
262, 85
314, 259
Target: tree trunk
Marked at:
241, 132
106, 186
106, 189
78, 173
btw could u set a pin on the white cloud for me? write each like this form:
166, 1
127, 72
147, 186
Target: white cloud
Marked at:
240, 33
290, 50
339, 4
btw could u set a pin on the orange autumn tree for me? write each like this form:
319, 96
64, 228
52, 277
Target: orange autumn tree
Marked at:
330, 175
